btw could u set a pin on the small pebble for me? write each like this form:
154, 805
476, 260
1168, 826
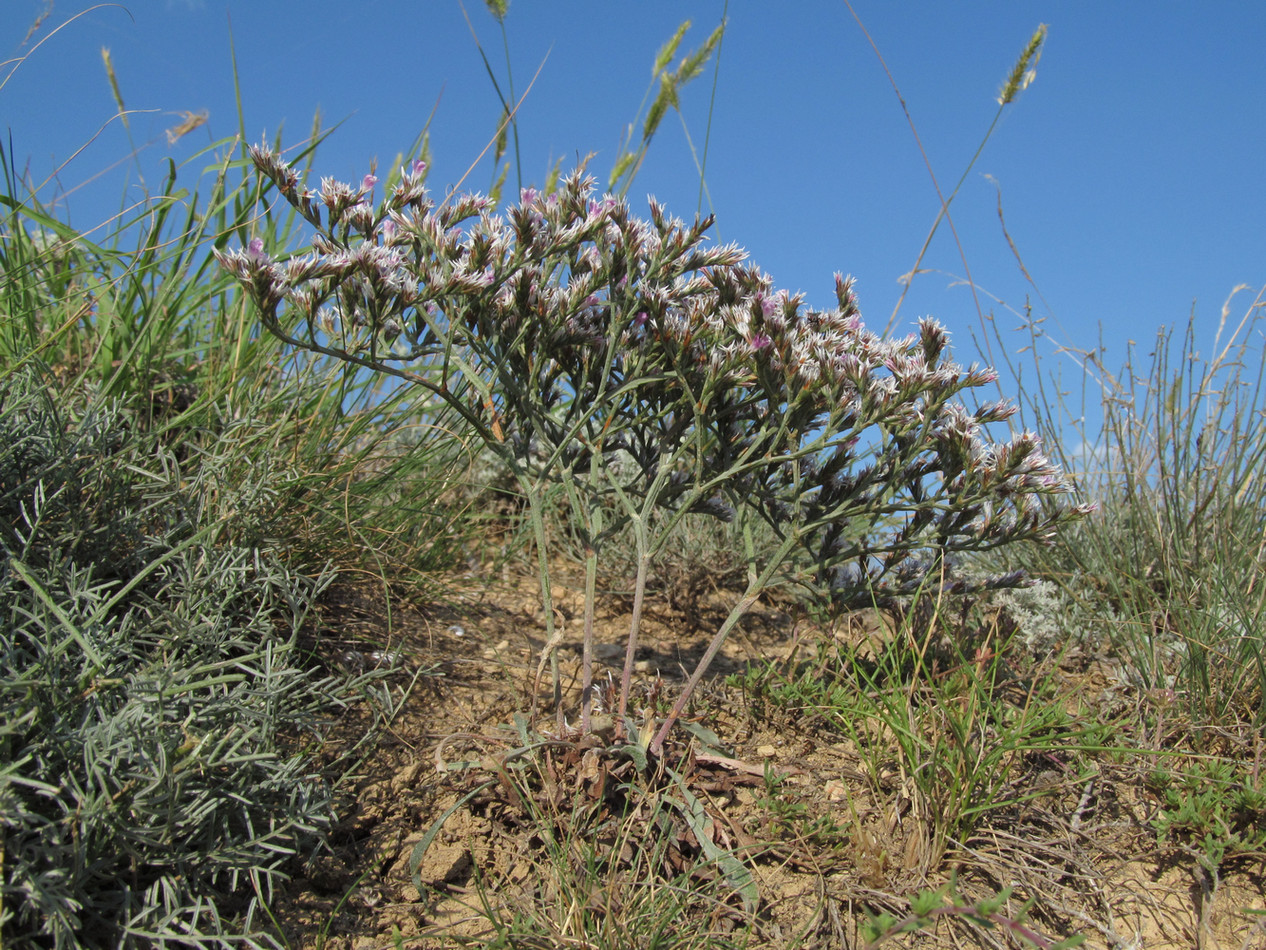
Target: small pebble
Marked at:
607, 652
355, 660
456, 630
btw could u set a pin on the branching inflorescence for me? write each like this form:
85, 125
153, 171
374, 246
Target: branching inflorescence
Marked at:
653, 374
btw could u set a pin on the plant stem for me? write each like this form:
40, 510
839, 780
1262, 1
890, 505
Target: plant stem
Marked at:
586, 663
755, 587
553, 635
635, 622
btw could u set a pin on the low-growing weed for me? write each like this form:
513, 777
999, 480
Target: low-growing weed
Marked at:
581, 849
790, 819
927, 907
943, 708
1214, 806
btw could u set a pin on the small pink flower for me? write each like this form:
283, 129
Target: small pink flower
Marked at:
368, 183
603, 207
758, 342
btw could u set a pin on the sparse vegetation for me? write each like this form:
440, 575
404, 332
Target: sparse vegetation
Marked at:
269, 677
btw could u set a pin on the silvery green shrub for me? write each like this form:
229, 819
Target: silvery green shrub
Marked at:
152, 693
631, 361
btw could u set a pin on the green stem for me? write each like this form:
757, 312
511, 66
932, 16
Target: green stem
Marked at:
635, 622
553, 635
756, 585
586, 674
593, 509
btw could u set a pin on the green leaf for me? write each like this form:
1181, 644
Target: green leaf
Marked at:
923, 903
738, 874
419, 849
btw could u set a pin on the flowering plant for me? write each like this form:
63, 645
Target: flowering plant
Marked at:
652, 374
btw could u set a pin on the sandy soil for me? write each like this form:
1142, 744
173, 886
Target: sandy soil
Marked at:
1076, 844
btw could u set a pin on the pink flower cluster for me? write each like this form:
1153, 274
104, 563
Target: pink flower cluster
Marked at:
577, 328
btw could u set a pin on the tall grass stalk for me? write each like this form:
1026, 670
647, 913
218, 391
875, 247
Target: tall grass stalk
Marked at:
1018, 79
143, 314
1173, 448
629, 159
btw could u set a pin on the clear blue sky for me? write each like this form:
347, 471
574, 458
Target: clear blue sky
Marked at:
1131, 170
